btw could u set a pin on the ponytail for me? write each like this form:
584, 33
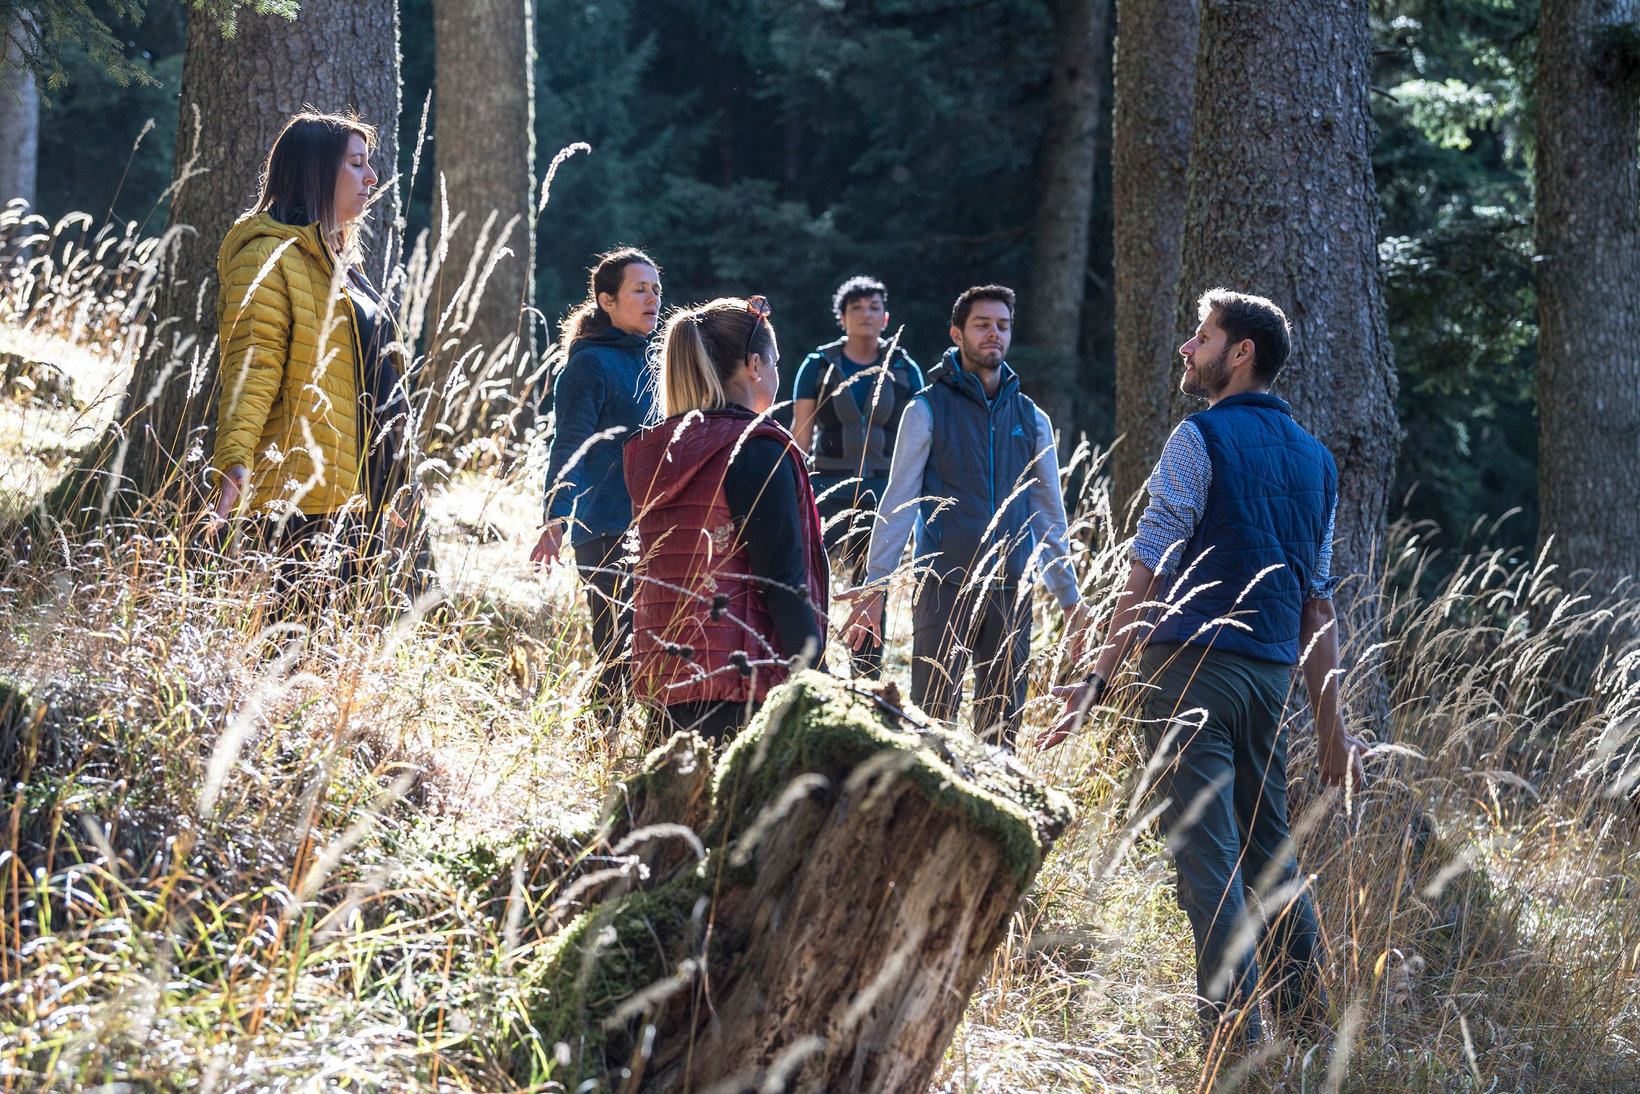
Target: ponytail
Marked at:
703, 347
606, 276
689, 379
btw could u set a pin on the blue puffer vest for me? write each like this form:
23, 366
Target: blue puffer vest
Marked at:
1273, 490
976, 511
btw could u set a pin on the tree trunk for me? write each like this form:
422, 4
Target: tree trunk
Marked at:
1588, 242
1282, 204
484, 148
1052, 323
1150, 154
19, 127
237, 93
858, 873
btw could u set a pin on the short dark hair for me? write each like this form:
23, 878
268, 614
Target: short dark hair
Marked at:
856, 288
965, 302
1251, 318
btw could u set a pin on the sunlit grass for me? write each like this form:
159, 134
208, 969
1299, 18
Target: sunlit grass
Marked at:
238, 858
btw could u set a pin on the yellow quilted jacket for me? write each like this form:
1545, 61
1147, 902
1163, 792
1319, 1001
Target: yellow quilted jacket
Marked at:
290, 408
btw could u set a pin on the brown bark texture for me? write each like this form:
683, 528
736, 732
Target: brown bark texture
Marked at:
1052, 323
19, 127
237, 94
1588, 242
1282, 204
1150, 156
484, 150
858, 873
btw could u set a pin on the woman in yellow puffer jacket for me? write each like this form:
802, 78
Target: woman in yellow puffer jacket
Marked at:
313, 424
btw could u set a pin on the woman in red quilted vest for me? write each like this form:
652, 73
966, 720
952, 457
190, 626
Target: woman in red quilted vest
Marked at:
730, 584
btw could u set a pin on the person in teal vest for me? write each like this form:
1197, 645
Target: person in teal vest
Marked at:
976, 475
847, 401
1237, 544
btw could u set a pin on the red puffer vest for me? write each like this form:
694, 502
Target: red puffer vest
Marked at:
701, 631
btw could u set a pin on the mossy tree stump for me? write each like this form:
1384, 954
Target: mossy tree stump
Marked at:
858, 873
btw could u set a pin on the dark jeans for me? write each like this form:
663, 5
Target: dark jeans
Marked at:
319, 557
600, 560
953, 623
848, 538
1224, 774
718, 722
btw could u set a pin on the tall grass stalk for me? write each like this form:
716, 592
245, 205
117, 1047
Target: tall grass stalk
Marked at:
237, 855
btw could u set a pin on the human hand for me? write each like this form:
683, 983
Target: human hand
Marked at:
1339, 754
233, 485
861, 628
1078, 698
545, 551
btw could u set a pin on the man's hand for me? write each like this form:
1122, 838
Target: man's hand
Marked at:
545, 551
1078, 698
861, 628
233, 486
1340, 757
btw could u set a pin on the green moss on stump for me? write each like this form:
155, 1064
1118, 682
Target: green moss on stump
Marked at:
603, 959
629, 950
817, 723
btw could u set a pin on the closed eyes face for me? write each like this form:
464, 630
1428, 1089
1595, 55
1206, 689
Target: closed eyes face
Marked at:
637, 307
353, 181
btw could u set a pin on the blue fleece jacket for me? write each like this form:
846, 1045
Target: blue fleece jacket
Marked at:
604, 388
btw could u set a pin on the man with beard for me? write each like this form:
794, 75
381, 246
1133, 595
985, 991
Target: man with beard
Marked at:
976, 472
1241, 513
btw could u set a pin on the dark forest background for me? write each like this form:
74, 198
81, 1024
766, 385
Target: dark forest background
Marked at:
754, 146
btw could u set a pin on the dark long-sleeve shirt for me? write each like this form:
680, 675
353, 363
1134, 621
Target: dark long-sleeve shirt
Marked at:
761, 489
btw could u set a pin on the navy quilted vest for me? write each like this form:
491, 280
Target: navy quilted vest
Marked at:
974, 519
1245, 574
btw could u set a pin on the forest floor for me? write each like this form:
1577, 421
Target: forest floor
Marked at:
235, 861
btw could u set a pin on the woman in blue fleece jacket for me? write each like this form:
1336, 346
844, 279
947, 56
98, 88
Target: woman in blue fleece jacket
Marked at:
602, 397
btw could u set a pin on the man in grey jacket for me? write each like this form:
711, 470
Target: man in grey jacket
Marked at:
976, 474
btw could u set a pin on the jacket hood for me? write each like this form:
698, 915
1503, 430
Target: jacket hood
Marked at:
614, 338
257, 225
664, 459
951, 372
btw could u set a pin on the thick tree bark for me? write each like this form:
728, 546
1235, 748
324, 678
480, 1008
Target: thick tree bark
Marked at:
484, 148
1052, 322
236, 96
1150, 154
857, 875
1588, 240
19, 127
1282, 204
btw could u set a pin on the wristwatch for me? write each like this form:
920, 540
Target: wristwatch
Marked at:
1099, 686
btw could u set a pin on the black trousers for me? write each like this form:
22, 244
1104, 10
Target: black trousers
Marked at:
718, 722
954, 624
847, 519
600, 560
319, 556
328, 561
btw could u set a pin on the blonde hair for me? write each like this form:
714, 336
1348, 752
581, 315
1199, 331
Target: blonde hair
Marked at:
702, 348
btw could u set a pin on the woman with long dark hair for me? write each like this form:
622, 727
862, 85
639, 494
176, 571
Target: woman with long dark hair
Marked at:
730, 583
313, 430
601, 398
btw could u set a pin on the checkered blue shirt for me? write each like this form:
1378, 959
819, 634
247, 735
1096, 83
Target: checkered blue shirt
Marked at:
1178, 499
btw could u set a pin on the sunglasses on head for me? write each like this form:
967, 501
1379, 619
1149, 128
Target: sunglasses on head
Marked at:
759, 308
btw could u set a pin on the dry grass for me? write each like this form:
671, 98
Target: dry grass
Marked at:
235, 859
